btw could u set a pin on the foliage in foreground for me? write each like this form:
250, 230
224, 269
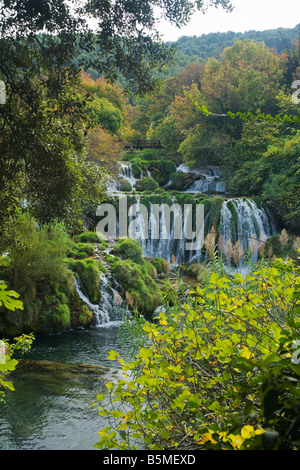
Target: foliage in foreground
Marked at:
9, 299
218, 370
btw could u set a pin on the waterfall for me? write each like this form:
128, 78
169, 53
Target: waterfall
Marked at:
126, 173
110, 309
240, 219
243, 221
208, 184
207, 180
161, 231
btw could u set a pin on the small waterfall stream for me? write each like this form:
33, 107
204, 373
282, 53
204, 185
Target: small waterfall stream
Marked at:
126, 173
110, 310
207, 180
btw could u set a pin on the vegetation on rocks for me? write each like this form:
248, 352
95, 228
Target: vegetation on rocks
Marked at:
137, 277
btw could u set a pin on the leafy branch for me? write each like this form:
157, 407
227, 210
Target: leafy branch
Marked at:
254, 117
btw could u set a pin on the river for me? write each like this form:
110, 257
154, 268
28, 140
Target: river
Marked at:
50, 408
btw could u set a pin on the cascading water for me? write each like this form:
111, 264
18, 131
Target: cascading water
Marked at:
241, 220
161, 230
207, 184
202, 180
110, 309
126, 173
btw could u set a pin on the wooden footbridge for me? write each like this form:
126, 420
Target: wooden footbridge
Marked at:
143, 144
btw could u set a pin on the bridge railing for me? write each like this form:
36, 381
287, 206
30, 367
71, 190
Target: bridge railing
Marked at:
144, 144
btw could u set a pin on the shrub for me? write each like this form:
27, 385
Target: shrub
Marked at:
87, 237
129, 249
141, 291
217, 371
146, 184
124, 185
37, 266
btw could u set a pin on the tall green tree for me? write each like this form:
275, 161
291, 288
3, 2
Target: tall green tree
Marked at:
44, 120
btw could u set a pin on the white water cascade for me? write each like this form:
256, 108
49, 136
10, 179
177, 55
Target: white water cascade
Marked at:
240, 220
203, 180
209, 182
110, 309
126, 173
164, 235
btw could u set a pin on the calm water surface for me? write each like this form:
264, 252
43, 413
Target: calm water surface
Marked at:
55, 386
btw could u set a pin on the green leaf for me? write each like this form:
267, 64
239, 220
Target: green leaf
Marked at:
113, 355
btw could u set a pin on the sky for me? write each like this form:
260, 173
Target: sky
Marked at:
248, 15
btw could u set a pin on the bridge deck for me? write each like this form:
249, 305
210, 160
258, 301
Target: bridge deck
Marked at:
144, 144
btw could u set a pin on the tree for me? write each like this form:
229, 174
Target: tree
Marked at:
246, 79
44, 119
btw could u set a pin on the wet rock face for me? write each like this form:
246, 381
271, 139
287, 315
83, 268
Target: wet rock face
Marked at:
203, 180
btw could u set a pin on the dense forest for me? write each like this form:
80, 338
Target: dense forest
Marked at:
200, 48
211, 366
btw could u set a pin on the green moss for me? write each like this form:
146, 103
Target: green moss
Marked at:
88, 237
61, 317
142, 292
80, 313
178, 180
162, 266
127, 157
185, 198
231, 206
216, 207
199, 271
129, 248
146, 183
124, 185
81, 250
89, 274
258, 201
149, 154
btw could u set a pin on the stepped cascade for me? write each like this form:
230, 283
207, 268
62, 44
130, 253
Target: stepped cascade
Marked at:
160, 222
240, 219
204, 180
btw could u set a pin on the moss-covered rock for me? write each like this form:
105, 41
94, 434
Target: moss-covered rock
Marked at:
146, 184
88, 271
81, 250
137, 276
87, 237
129, 248
162, 266
177, 181
141, 291
124, 186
